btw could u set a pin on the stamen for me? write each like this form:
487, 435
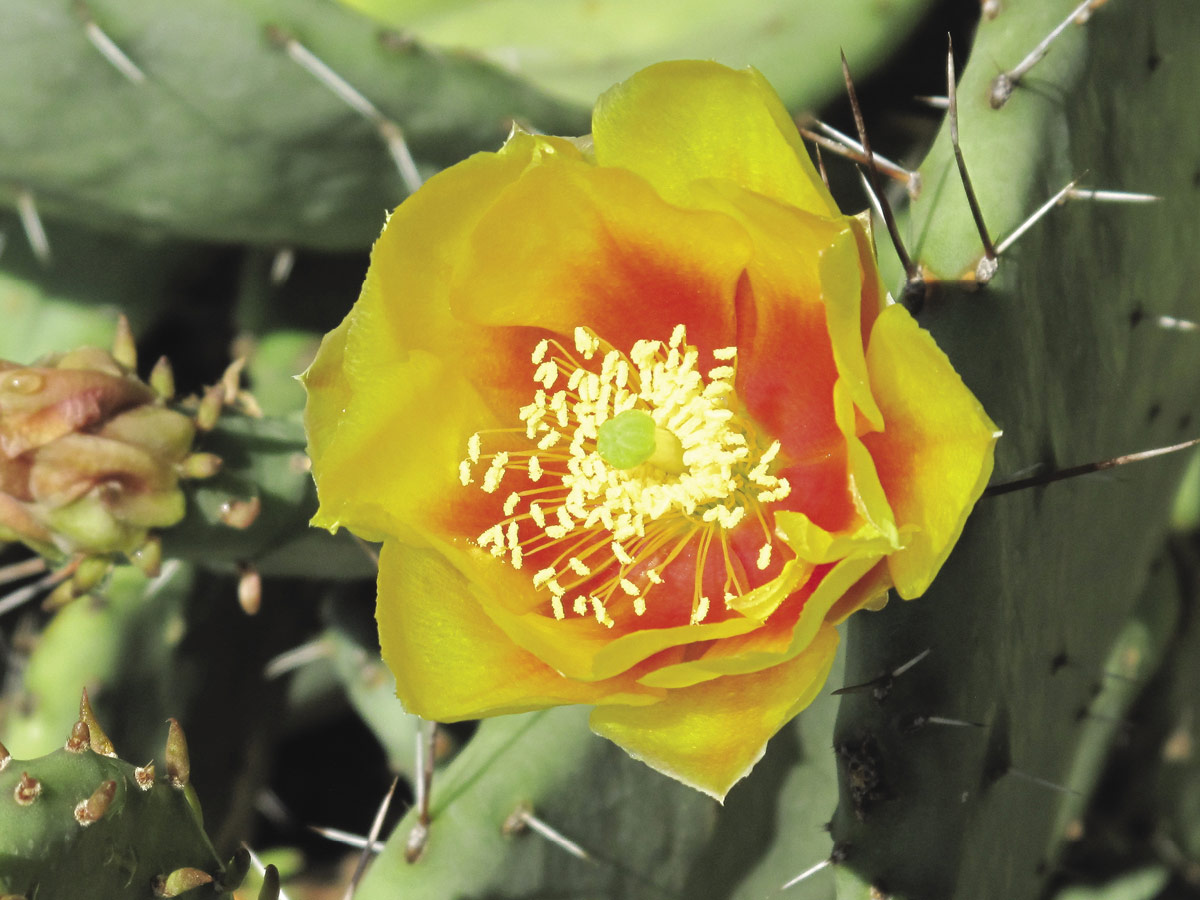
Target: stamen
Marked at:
764, 556
599, 514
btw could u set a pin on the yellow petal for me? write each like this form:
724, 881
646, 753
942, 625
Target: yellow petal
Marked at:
389, 409
678, 122
452, 662
709, 736
934, 457
571, 244
578, 646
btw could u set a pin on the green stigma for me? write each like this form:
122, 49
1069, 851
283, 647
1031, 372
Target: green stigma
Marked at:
632, 438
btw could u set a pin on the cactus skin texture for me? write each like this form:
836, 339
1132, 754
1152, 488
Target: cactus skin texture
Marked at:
229, 139
1066, 352
79, 822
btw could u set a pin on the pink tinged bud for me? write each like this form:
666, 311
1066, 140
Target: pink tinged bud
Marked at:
39, 404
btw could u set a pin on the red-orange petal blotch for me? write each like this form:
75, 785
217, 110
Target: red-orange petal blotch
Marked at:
637, 426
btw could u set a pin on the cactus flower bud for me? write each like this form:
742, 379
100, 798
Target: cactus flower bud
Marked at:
89, 456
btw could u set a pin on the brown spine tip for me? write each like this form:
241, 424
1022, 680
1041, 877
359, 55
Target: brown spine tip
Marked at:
144, 776
180, 881
99, 740
94, 807
80, 739
27, 790
5, 757
179, 767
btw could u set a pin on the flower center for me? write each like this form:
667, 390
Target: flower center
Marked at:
631, 458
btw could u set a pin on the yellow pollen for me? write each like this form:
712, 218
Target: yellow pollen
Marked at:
620, 553
586, 342
601, 613
491, 480
708, 470
764, 556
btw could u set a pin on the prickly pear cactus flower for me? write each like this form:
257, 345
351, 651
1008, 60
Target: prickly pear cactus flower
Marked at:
637, 427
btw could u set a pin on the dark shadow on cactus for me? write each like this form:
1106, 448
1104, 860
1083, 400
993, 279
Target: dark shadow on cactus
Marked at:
737, 844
